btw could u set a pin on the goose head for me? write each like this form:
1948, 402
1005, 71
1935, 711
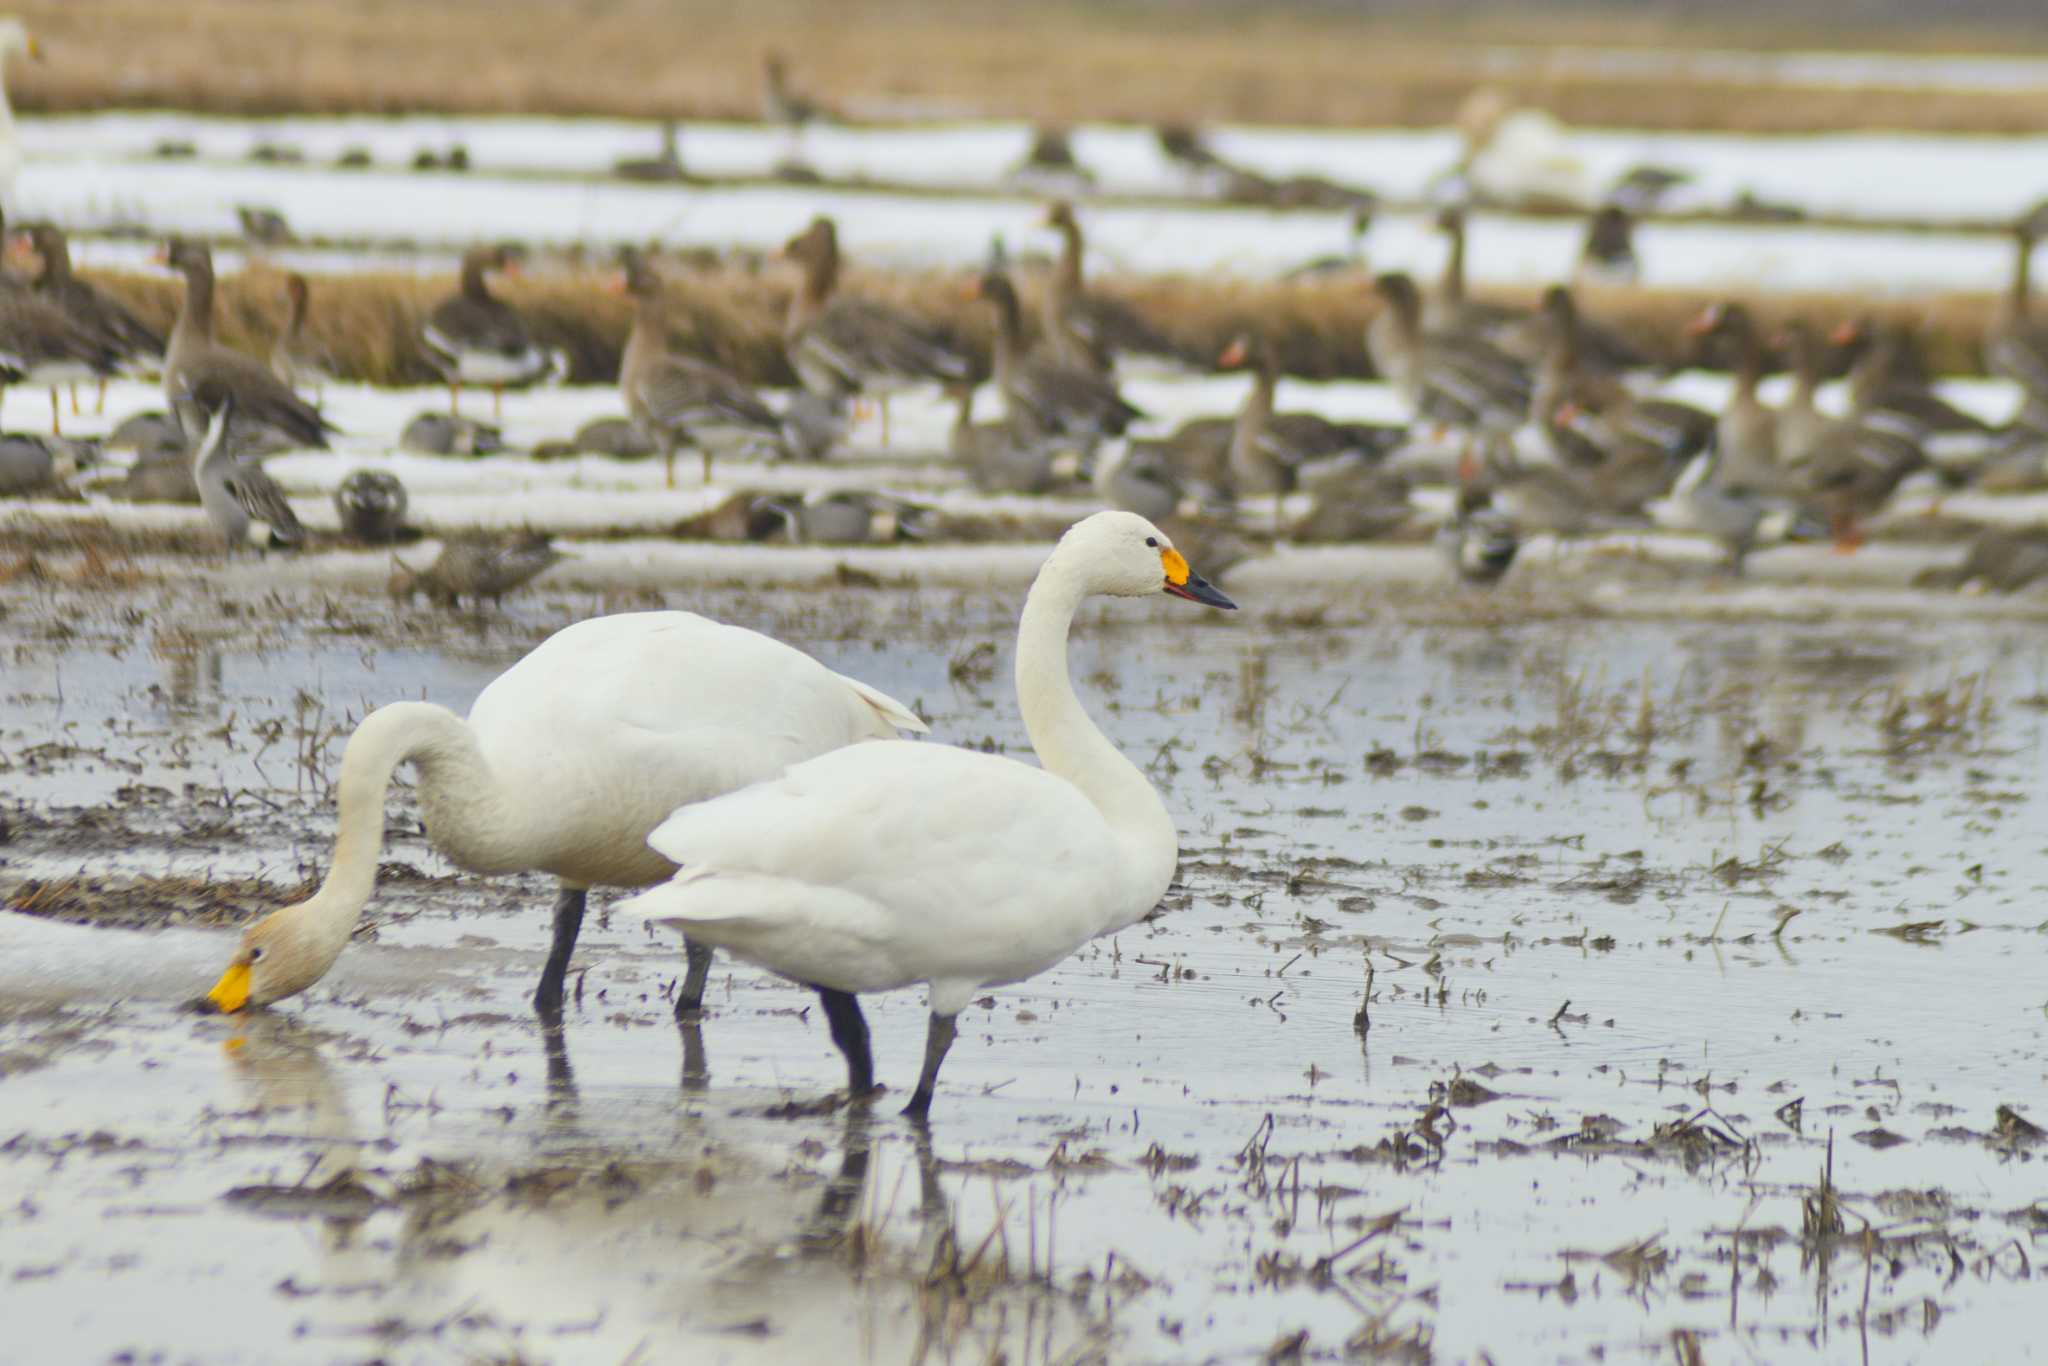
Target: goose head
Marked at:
1121, 555
186, 256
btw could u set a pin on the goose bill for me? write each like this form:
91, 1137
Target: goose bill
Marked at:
231, 992
1184, 582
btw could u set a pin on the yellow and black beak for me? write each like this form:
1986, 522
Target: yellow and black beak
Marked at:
231, 992
1184, 582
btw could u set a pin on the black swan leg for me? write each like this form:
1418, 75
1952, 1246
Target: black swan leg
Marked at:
547, 998
691, 998
938, 1038
850, 1032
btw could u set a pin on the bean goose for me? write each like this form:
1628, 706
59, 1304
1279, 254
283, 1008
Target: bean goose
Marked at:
298, 357
2017, 346
92, 309
474, 337
194, 363
1448, 378
1047, 398
1090, 329
2002, 559
679, 400
840, 345
1746, 432
995, 457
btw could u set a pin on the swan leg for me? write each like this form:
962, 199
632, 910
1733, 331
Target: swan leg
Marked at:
938, 1038
696, 1070
547, 998
850, 1032
690, 999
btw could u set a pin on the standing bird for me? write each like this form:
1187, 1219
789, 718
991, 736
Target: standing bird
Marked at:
1046, 397
478, 566
888, 865
297, 357
1090, 329
841, 345
474, 337
1608, 255
238, 497
567, 761
371, 505
2017, 346
96, 312
194, 363
679, 400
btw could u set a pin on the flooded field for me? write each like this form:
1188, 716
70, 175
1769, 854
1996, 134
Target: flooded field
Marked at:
1533, 988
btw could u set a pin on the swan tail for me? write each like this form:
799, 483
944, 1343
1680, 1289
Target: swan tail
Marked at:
825, 936
893, 713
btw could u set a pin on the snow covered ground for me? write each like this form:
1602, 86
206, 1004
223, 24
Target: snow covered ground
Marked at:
536, 179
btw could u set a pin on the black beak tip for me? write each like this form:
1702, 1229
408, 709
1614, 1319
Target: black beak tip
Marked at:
1199, 589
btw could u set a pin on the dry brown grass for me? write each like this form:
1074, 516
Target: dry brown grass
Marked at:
733, 314
694, 59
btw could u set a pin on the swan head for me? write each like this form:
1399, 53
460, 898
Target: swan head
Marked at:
1123, 555
14, 37
280, 955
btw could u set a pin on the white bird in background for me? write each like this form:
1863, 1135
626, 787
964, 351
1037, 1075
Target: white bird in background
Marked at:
14, 37
890, 864
567, 761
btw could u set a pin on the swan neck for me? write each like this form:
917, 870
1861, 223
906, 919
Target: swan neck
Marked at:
1067, 742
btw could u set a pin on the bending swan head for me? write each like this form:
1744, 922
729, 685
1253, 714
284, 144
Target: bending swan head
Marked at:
279, 956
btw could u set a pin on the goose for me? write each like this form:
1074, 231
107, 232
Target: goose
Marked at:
474, 337
194, 361
2001, 559
298, 358
1352, 261
840, 517
91, 309
841, 345
371, 505
565, 764
1448, 378
1090, 329
14, 37
678, 399
1045, 396
239, 498
886, 865
1746, 433
995, 457
1608, 255
2016, 348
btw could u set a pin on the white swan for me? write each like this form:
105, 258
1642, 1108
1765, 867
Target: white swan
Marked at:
14, 37
891, 864
567, 761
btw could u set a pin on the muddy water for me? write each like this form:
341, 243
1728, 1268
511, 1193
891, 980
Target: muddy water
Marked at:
1659, 919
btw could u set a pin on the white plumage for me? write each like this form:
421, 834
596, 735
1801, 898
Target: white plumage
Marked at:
14, 38
892, 864
566, 763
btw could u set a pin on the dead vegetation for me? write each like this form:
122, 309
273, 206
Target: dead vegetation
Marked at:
1298, 65
731, 311
152, 902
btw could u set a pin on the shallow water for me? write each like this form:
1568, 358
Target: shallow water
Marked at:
1621, 875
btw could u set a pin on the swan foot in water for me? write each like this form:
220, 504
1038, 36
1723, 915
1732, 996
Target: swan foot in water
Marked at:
690, 1000
850, 1032
547, 998
938, 1038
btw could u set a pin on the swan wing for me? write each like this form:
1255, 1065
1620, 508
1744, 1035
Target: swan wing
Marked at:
900, 846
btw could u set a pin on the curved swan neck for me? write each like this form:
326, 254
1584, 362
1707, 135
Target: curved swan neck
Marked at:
1067, 742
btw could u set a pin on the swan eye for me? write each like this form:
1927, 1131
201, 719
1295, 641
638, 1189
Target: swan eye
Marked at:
256, 955
1152, 542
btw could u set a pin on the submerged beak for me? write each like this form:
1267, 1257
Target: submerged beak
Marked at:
231, 992
1184, 582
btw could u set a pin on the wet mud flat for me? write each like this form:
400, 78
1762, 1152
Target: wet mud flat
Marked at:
1536, 986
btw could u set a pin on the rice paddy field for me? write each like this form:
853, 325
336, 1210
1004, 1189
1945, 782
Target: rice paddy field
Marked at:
1629, 962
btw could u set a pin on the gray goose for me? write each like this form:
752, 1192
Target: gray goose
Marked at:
1047, 398
679, 400
2017, 346
1889, 386
1267, 448
1453, 379
195, 362
97, 312
2003, 559
840, 345
1676, 430
297, 357
474, 337
42, 343
1450, 309
782, 103
1090, 329
1849, 468
239, 498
